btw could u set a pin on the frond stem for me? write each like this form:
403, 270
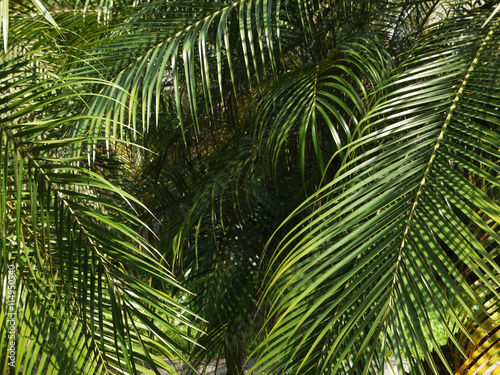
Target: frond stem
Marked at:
447, 121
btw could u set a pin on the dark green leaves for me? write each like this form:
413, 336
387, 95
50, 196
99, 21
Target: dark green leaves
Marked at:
392, 232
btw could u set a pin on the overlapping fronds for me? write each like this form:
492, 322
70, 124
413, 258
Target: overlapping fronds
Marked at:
389, 238
199, 54
214, 226
168, 45
316, 110
386, 124
78, 288
5, 17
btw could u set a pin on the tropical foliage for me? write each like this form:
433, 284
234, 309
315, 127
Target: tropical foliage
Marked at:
312, 184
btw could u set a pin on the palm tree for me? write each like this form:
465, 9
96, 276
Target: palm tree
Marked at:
79, 288
321, 178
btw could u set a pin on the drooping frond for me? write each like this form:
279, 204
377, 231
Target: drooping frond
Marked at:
79, 291
391, 237
316, 110
199, 54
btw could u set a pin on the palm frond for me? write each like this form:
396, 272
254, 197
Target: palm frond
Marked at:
4, 18
82, 276
316, 110
383, 246
201, 53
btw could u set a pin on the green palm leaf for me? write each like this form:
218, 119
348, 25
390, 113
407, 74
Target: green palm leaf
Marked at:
385, 124
159, 46
202, 54
319, 106
85, 293
383, 246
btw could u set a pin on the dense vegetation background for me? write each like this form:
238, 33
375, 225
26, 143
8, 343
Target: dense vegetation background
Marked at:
310, 183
